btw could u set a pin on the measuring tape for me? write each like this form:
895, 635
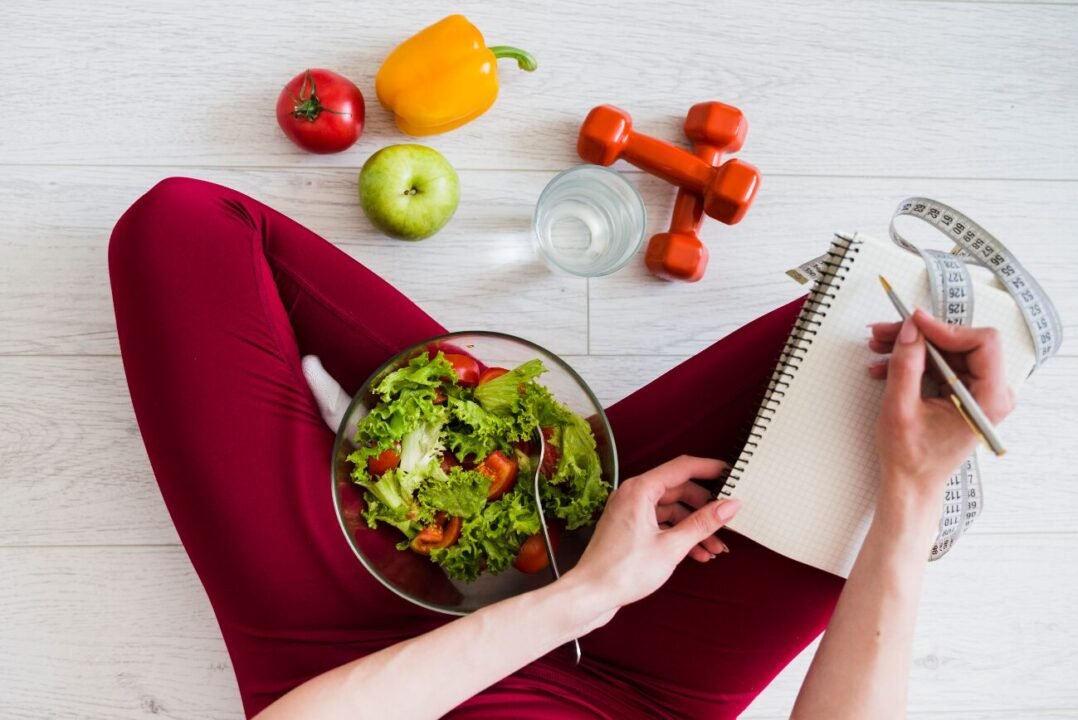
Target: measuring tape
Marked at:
977, 245
951, 289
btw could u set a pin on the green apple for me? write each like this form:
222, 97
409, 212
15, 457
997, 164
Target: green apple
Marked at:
408, 191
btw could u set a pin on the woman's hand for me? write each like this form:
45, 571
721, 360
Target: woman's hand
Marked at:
921, 440
646, 530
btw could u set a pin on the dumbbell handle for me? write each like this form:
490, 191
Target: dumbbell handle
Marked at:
667, 161
688, 215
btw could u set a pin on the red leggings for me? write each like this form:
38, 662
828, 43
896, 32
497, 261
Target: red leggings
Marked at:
217, 297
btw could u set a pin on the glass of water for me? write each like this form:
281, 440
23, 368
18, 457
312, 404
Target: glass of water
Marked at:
589, 221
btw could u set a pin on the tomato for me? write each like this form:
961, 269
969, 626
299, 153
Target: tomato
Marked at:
491, 373
466, 368
502, 472
321, 111
444, 532
532, 556
550, 455
449, 461
439, 397
388, 460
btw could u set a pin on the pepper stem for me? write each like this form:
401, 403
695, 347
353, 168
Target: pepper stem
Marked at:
525, 60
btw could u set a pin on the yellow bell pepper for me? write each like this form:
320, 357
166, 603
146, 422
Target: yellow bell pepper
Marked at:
442, 77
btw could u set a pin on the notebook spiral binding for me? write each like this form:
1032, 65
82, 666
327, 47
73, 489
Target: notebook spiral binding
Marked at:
832, 272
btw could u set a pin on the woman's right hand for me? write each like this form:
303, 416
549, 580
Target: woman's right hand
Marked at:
922, 440
646, 530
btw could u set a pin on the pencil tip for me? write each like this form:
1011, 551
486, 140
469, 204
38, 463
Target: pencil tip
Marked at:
886, 285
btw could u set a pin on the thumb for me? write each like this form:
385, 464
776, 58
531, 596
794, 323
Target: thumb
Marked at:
906, 368
701, 524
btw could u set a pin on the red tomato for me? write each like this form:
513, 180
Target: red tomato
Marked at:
550, 455
444, 532
532, 556
321, 111
388, 460
466, 368
449, 460
491, 373
439, 397
502, 472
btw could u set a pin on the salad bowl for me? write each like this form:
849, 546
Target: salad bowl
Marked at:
412, 576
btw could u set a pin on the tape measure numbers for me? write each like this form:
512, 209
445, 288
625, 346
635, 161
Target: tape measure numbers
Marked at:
980, 247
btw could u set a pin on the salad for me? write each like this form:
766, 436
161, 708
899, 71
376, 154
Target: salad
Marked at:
440, 456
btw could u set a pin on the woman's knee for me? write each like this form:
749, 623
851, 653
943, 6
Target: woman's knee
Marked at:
161, 221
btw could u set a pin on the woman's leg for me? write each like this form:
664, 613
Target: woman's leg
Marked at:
216, 297
715, 635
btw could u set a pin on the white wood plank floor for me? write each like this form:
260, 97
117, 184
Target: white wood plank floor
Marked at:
852, 106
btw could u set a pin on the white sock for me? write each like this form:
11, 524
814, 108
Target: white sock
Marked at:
331, 399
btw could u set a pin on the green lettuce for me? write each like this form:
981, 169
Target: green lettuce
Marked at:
419, 448
475, 431
491, 540
577, 491
387, 501
460, 492
501, 395
421, 372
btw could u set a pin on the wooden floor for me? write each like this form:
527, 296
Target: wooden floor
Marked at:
853, 106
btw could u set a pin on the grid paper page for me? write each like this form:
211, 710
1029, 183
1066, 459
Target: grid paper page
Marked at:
809, 487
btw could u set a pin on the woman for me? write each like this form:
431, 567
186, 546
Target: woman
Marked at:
217, 298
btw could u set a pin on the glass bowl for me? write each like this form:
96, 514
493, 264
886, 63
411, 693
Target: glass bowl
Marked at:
414, 577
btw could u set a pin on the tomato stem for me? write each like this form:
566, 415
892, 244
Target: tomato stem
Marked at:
310, 107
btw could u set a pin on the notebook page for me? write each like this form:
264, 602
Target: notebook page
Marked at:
809, 487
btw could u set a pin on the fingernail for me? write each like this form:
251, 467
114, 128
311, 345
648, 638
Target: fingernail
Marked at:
726, 510
909, 332
725, 547
711, 556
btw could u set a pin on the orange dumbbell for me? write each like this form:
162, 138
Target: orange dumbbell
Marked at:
715, 128
607, 134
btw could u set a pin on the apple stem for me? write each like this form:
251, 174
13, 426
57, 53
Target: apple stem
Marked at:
525, 60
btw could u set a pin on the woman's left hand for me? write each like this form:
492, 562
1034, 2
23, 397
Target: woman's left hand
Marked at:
646, 530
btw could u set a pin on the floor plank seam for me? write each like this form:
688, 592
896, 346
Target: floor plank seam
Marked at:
299, 169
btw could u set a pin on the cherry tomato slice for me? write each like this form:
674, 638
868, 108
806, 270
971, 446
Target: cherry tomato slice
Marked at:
502, 472
449, 461
532, 556
441, 534
388, 460
466, 368
491, 373
550, 455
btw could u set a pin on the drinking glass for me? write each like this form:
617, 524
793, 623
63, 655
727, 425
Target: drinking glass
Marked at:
589, 221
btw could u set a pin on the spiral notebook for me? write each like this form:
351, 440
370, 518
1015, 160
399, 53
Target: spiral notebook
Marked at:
807, 477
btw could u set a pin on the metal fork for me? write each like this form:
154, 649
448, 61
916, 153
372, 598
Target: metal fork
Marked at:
542, 523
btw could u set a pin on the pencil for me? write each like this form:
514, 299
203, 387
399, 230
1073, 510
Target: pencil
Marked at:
960, 394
